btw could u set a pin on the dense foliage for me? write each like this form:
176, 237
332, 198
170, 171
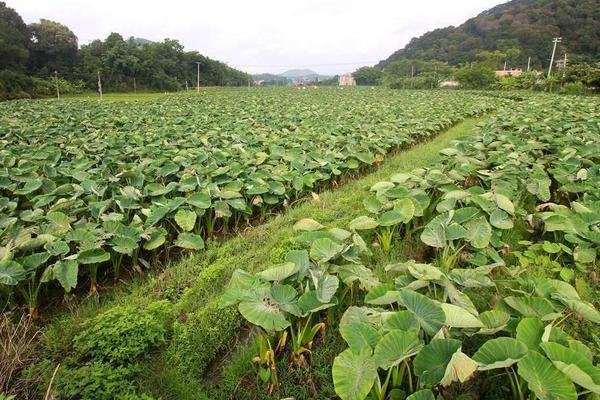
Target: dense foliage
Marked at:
39, 49
526, 26
423, 327
88, 187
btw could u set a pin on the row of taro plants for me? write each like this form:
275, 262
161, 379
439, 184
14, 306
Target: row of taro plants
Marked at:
413, 328
88, 191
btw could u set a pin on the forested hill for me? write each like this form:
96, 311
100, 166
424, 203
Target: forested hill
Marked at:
525, 25
31, 53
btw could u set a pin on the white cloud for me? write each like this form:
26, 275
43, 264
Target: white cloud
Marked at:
264, 35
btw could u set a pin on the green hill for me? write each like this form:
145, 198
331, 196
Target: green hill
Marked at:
527, 25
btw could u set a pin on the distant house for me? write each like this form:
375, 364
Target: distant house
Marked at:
509, 72
346, 80
449, 84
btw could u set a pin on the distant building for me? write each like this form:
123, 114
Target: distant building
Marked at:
449, 84
509, 72
346, 80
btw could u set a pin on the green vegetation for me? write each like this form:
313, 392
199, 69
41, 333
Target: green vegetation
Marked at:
514, 31
458, 268
410, 325
106, 194
205, 276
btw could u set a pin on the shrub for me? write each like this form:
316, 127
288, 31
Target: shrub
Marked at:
122, 334
202, 336
95, 381
574, 88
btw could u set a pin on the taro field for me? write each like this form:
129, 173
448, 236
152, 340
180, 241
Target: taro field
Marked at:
332, 244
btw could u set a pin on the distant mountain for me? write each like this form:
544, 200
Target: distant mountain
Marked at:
292, 76
141, 41
270, 79
529, 25
298, 73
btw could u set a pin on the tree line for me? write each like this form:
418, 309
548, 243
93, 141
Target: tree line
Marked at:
36, 57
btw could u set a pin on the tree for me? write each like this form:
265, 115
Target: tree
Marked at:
368, 76
476, 76
14, 40
53, 47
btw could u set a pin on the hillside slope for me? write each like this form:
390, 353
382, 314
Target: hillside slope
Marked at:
530, 24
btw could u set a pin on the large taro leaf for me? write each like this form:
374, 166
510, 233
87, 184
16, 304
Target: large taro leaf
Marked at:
360, 335
390, 218
185, 219
406, 208
325, 285
431, 362
279, 272
501, 220
493, 321
157, 214
309, 303
382, 294
479, 233
530, 332
536, 307
354, 374
66, 272
11, 272
470, 278
403, 320
395, 347
586, 310
434, 234
458, 317
574, 365
300, 258
156, 239
500, 352
308, 225
424, 272
95, 255
362, 223
430, 315
323, 250
544, 379
189, 241
285, 297
261, 309
350, 273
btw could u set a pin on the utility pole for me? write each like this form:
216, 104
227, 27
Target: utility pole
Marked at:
412, 76
99, 85
134, 86
186, 86
528, 64
557, 40
198, 78
56, 83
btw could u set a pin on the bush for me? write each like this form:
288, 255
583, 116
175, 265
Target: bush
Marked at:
202, 335
122, 334
14, 85
95, 381
575, 88
476, 76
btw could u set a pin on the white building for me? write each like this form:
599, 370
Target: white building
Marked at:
346, 80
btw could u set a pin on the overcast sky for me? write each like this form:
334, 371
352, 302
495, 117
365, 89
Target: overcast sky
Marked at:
328, 36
